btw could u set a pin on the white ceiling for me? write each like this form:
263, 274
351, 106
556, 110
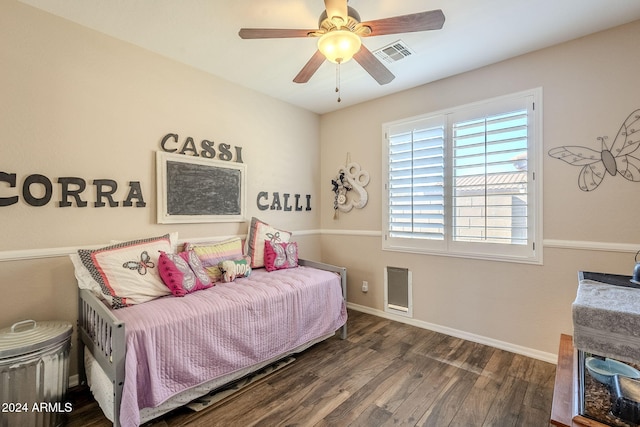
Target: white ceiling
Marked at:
204, 34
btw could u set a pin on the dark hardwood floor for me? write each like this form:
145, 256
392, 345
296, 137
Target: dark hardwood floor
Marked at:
385, 374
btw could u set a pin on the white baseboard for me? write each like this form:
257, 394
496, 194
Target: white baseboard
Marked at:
513, 348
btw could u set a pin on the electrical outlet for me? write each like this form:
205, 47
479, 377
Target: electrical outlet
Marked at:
365, 286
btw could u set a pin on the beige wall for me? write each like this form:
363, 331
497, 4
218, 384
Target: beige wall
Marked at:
75, 103
589, 88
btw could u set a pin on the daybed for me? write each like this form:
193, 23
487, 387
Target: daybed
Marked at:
146, 359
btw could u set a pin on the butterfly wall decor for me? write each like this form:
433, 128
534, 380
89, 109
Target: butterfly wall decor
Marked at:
612, 159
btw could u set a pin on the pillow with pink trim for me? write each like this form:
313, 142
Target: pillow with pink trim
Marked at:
126, 273
183, 273
259, 233
278, 256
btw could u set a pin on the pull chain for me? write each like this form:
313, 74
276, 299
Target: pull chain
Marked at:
338, 80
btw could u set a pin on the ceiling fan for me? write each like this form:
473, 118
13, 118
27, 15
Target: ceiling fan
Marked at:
339, 37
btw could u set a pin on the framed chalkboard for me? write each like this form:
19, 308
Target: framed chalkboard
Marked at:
196, 189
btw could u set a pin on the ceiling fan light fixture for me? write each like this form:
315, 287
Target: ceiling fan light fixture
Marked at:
339, 46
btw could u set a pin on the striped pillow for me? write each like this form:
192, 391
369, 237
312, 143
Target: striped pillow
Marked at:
212, 254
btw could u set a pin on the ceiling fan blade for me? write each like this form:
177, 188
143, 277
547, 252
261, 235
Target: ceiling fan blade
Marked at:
310, 68
272, 33
337, 8
375, 68
421, 21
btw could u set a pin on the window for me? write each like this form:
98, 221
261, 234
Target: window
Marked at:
465, 182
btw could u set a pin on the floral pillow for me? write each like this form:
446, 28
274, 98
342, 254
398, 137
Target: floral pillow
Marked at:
259, 233
127, 272
278, 256
183, 273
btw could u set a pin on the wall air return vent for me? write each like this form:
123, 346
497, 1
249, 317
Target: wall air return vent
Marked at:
397, 291
394, 52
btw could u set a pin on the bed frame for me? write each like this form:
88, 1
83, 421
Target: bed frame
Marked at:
104, 335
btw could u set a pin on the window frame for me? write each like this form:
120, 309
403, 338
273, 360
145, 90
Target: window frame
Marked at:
530, 253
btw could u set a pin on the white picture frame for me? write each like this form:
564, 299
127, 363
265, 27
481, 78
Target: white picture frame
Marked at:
194, 189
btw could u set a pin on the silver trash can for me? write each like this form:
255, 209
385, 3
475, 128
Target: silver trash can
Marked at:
34, 373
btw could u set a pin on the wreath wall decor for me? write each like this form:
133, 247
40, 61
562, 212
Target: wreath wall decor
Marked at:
348, 188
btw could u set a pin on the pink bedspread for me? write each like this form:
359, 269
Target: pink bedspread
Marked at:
177, 343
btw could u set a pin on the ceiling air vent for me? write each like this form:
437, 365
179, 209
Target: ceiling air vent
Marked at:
393, 52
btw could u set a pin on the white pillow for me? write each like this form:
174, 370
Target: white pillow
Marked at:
259, 232
126, 273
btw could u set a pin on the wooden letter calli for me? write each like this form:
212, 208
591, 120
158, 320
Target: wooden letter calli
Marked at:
287, 204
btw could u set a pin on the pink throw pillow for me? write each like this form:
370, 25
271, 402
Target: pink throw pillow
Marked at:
259, 233
278, 256
183, 273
